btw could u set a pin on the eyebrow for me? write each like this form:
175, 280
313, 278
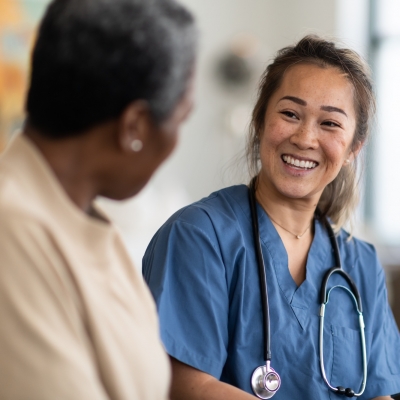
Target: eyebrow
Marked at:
304, 103
295, 100
333, 109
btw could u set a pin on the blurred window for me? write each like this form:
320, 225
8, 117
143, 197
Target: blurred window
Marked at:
384, 165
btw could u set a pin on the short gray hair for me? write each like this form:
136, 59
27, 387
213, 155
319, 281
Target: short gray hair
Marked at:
93, 57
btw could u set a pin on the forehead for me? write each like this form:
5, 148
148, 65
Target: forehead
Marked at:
317, 85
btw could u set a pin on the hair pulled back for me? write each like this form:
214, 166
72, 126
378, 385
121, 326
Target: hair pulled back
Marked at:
340, 197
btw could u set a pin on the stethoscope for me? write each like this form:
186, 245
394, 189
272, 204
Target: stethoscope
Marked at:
265, 381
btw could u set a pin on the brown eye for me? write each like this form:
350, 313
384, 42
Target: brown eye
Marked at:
331, 124
289, 114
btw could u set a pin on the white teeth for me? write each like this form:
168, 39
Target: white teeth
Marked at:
297, 163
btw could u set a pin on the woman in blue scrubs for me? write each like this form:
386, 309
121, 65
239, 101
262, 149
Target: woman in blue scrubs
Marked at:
309, 124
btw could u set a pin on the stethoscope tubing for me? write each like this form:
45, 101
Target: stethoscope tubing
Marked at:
324, 298
338, 269
261, 272
363, 347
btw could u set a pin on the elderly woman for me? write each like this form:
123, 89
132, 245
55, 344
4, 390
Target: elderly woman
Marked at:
110, 86
210, 265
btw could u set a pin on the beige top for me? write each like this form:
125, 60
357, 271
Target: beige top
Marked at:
76, 320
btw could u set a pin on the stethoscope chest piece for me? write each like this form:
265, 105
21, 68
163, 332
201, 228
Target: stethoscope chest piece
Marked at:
265, 381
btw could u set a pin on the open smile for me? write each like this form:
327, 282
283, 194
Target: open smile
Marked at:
299, 163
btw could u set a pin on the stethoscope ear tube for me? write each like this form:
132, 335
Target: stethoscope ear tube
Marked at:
324, 298
338, 270
348, 392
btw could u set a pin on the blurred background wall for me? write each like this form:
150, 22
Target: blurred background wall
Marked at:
238, 38
210, 154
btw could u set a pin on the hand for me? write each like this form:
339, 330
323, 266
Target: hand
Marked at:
189, 383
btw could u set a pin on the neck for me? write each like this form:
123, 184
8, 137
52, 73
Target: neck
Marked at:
71, 161
290, 214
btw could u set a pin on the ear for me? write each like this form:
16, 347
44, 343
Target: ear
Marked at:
134, 126
353, 153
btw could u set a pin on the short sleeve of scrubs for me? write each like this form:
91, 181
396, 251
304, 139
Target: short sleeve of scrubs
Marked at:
189, 285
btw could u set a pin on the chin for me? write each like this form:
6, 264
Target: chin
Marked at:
296, 193
124, 193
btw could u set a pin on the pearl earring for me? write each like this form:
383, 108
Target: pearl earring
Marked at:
136, 145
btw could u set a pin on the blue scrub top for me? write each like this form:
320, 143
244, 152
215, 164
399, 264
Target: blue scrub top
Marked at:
201, 268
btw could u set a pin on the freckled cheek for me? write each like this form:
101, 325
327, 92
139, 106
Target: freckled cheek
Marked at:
273, 134
335, 152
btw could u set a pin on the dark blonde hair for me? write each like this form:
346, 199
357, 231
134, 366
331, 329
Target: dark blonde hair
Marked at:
339, 197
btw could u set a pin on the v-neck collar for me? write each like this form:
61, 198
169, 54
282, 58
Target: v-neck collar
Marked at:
317, 262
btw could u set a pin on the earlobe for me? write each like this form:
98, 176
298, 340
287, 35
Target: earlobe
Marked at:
350, 158
353, 154
133, 127
136, 145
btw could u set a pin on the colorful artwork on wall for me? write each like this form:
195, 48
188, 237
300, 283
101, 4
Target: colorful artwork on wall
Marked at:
18, 23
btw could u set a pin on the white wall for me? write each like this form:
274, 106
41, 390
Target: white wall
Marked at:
352, 24
207, 156
206, 144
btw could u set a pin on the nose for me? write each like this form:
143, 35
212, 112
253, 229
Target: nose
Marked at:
305, 137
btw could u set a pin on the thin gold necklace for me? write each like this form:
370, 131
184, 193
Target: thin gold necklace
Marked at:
296, 236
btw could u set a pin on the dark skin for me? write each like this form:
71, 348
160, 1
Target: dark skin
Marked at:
201, 386
100, 161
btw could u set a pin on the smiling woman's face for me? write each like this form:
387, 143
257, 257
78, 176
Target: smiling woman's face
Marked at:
308, 132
